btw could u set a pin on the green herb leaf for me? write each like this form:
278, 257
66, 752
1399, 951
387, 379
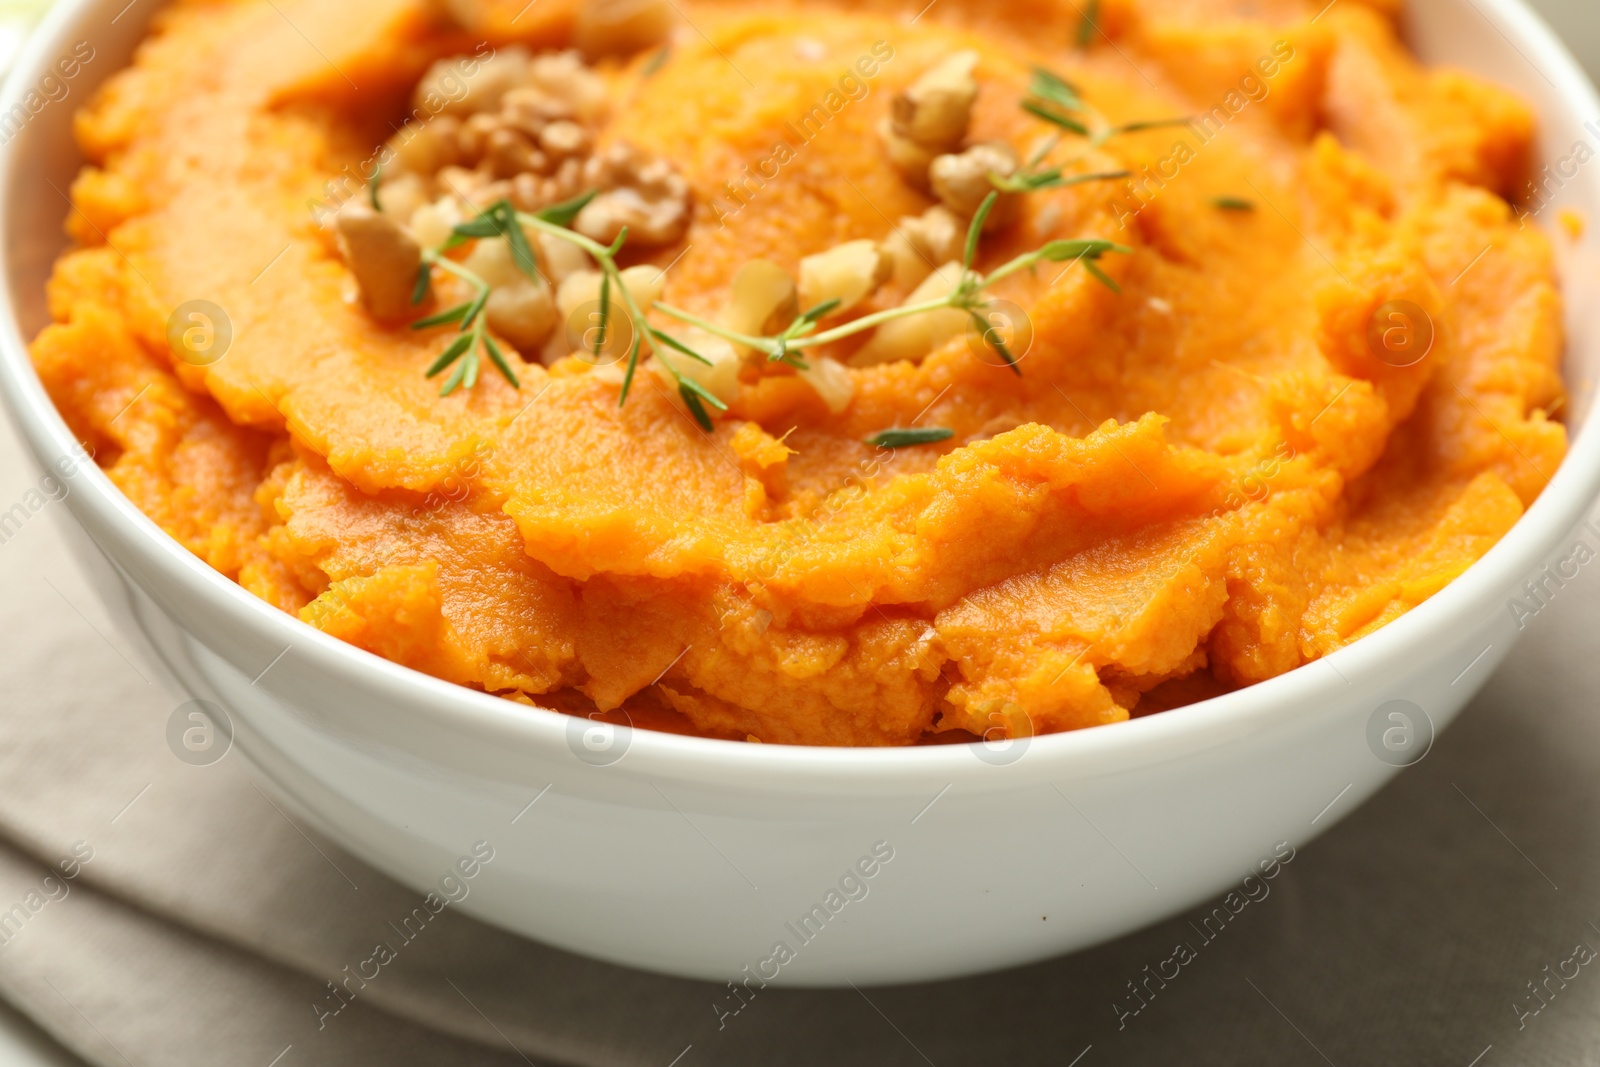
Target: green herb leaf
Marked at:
674, 343
424, 280
1026, 181
616, 246
372, 186
1138, 127
470, 378
1051, 87
633, 365
1093, 248
450, 354
563, 213
1153, 124
454, 314
692, 402
498, 220
1233, 203
498, 358
605, 315
1046, 146
1087, 25
655, 62
521, 250
1052, 179
485, 225
474, 309
1105, 279
1097, 176
780, 352
991, 337
1050, 115
905, 438
457, 378
975, 230
685, 382
804, 323
817, 313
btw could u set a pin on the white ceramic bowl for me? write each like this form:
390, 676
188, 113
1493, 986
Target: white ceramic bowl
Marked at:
696, 857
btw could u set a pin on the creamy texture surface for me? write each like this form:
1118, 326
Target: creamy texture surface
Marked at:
1196, 483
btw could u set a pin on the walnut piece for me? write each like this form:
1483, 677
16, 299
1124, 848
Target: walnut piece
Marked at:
762, 300
830, 380
961, 181
920, 243
521, 127
848, 273
930, 118
914, 336
643, 193
617, 27
935, 110
383, 257
524, 313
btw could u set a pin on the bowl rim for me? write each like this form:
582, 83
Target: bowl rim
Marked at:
1140, 741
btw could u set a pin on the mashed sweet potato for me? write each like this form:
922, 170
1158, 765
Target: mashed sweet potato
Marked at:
1197, 482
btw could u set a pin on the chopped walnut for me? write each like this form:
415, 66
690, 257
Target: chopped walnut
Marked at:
648, 221
383, 257
908, 157
524, 313
459, 85
961, 181
431, 223
616, 27
762, 300
564, 138
830, 381
848, 273
421, 148
401, 195
521, 128
936, 109
930, 117
915, 336
643, 193
560, 259
919, 244
564, 76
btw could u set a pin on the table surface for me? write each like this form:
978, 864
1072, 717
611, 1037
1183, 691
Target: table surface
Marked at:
24, 1045
1578, 23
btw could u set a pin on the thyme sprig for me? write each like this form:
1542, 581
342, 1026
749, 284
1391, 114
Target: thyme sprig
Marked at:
502, 220
1088, 23
907, 437
1051, 97
1032, 177
555, 221
1057, 101
966, 296
1138, 127
471, 336
1032, 181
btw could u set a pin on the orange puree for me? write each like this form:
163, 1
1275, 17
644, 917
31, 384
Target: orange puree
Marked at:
1198, 482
